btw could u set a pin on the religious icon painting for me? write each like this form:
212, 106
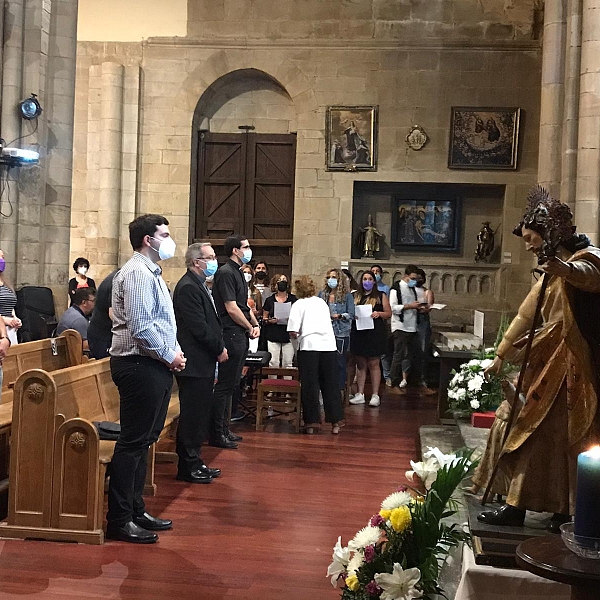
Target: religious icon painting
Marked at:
484, 138
429, 225
351, 138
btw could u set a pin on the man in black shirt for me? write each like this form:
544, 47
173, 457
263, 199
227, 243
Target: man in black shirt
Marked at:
100, 327
230, 292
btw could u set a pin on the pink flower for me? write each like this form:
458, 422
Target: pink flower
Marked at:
373, 589
376, 521
402, 488
369, 553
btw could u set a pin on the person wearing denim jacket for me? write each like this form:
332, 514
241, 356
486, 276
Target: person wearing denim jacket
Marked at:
341, 307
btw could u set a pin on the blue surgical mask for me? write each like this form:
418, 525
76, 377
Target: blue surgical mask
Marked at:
247, 256
412, 283
211, 267
332, 283
377, 277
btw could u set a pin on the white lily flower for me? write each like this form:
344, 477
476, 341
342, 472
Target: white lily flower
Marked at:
461, 394
473, 363
400, 584
441, 458
341, 557
475, 404
426, 471
486, 363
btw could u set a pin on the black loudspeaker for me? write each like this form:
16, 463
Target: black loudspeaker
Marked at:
35, 307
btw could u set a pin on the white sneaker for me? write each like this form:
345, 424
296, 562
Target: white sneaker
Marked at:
388, 382
358, 399
374, 401
403, 384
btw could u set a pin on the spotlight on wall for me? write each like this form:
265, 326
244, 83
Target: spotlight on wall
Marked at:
30, 108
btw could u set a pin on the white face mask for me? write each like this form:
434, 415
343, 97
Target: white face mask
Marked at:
248, 277
166, 249
82, 270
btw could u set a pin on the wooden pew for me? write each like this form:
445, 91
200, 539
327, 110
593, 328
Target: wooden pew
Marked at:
58, 463
49, 354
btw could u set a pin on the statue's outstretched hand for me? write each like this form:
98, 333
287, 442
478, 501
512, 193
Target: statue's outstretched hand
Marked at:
494, 368
556, 266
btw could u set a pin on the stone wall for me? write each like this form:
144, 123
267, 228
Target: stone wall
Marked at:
38, 55
415, 80
363, 19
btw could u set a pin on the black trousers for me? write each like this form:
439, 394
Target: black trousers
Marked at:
195, 405
319, 371
145, 389
407, 354
230, 373
99, 348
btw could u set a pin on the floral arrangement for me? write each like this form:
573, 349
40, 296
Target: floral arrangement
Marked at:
399, 554
469, 390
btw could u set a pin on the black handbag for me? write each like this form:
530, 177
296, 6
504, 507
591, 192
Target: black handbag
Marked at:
107, 430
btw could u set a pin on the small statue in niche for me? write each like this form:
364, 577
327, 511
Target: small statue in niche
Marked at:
369, 239
485, 243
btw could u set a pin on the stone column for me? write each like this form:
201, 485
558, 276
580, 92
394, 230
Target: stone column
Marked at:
62, 53
552, 101
111, 149
571, 108
588, 160
12, 79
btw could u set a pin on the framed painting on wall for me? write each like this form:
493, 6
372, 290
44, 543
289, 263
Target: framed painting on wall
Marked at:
351, 138
425, 225
484, 138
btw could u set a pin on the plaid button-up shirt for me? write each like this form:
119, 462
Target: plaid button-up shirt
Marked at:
143, 317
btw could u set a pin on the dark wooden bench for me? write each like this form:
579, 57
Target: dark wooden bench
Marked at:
58, 463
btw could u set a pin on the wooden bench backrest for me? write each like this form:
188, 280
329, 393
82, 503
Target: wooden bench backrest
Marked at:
87, 391
40, 355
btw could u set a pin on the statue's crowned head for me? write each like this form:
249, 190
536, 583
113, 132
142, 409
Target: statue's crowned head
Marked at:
552, 220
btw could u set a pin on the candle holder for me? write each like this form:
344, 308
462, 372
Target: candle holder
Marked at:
585, 547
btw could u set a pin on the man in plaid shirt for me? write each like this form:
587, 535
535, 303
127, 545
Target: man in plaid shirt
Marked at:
144, 355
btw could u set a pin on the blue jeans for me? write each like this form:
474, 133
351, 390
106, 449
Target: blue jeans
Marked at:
342, 350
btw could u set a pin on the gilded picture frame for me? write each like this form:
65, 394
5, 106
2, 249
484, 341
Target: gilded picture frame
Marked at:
484, 138
351, 138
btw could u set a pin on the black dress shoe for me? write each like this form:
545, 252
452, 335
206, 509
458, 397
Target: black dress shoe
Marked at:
232, 437
147, 521
130, 532
214, 473
195, 477
223, 442
506, 515
556, 521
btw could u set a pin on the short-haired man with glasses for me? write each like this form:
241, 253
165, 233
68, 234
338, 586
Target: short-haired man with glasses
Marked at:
230, 292
200, 334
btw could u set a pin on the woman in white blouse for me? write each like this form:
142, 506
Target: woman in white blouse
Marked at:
310, 323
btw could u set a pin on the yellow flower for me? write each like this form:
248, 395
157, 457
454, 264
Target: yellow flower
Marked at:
385, 514
352, 582
400, 518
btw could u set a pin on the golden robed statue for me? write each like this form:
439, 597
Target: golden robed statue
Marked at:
557, 416
370, 239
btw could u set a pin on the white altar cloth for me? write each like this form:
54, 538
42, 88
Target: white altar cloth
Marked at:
479, 582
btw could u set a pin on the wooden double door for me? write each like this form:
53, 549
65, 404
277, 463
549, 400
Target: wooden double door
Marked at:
245, 185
